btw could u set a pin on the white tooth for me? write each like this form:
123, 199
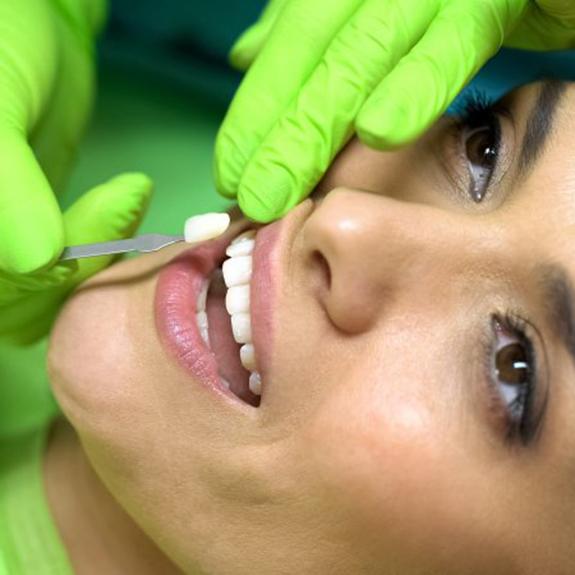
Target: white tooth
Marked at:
238, 299
248, 357
225, 382
255, 383
237, 271
202, 319
205, 227
249, 235
241, 327
243, 248
205, 336
202, 297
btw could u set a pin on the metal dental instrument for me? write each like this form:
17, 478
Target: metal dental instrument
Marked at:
197, 229
144, 244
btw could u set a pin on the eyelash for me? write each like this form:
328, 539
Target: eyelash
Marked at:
524, 427
475, 108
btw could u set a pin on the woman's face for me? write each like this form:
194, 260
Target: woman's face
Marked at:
412, 324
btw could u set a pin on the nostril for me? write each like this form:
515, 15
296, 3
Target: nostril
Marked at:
320, 263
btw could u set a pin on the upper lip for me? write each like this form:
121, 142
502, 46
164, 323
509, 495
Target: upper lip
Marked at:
273, 244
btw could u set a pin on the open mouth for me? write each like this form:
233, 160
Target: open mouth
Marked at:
223, 318
205, 317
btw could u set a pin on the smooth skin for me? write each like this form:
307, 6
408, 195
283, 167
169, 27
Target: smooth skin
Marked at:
320, 71
46, 90
380, 446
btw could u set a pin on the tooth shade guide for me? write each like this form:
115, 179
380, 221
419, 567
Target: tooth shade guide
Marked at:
205, 227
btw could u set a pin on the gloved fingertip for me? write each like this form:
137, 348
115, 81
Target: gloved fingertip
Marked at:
259, 208
386, 125
225, 180
268, 191
245, 49
25, 255
240, 60
132, 192
61, 272
137, 180
109, 211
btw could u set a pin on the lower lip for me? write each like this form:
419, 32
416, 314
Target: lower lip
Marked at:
177, 290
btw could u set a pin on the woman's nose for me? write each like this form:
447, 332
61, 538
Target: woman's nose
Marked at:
378, 251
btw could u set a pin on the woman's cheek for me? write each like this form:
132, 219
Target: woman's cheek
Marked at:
401, 492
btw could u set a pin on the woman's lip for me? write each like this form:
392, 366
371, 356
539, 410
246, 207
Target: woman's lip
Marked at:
179, 284
263, 295
273, 242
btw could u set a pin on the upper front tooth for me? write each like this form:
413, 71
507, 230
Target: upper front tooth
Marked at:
247, 235
238, 299
241, 327
243, 248
237, 271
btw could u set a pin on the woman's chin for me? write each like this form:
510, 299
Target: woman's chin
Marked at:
91, 353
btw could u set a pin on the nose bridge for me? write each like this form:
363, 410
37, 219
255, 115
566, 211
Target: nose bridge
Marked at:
378, 248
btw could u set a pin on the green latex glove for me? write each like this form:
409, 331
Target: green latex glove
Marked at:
46, 88
386, 69
112, 211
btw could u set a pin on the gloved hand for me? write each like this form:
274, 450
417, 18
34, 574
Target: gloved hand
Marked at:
112, 211
46, 85
386, 69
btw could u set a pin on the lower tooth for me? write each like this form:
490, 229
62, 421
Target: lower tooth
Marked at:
202, 319
255, 383
205, 337
225, 383
202, 296
247, 357
202, 323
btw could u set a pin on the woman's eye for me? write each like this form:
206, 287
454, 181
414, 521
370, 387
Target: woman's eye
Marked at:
481, 148
513, 374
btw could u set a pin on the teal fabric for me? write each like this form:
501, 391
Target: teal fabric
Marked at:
188, 42
185, 41
513, 68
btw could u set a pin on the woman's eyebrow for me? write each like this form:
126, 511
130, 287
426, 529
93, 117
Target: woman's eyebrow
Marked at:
559, 303
540, 123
